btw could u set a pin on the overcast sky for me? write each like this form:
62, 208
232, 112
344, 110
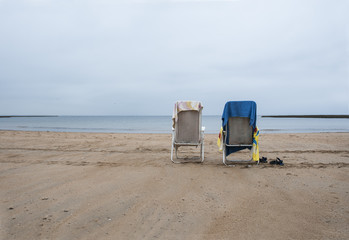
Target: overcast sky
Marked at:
137, 57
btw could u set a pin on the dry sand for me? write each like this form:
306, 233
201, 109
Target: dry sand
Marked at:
124, 186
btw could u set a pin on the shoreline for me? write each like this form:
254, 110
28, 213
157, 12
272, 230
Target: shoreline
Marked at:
30, 116
269, 132
263, 116
263, 131
163, 124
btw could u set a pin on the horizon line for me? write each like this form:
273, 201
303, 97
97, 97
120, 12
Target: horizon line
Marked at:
263, 116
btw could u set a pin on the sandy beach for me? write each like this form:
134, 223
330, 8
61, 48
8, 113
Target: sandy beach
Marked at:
124, 186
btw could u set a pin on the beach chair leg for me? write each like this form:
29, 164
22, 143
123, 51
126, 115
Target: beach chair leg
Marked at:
202, 144
257, 162
203, 151
172, 153
175, 148
225, 158
224, 154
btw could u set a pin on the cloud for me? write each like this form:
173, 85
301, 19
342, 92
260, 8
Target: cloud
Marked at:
105, 53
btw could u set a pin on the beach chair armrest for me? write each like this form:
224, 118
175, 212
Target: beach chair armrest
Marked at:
202, 134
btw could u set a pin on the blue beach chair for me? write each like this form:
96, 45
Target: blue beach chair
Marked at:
238, 123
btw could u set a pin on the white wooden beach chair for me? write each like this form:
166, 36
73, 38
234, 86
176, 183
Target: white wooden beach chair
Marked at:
187, 130
239, 123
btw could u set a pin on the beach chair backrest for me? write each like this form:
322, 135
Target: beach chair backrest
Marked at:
188, 127
240, 131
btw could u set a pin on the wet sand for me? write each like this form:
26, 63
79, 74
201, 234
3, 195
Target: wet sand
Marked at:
124, 186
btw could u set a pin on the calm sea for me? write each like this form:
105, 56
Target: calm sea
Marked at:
162, 124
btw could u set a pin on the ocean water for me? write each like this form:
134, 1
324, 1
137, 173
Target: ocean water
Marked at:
162, 124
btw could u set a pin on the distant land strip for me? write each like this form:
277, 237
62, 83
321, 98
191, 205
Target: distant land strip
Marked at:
306, 116
15, 116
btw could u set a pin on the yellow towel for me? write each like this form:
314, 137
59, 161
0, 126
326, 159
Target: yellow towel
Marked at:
255, 146
220, 140
184, 106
